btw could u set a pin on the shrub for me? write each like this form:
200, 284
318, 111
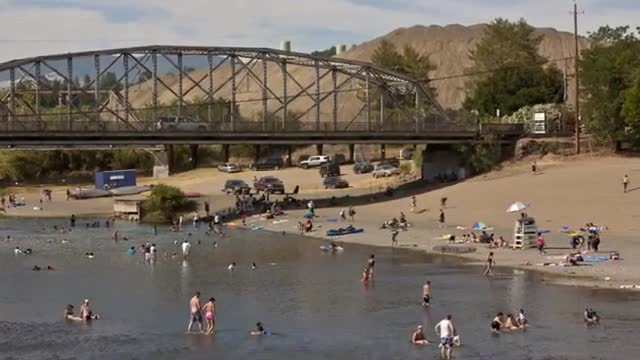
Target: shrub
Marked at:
165, 202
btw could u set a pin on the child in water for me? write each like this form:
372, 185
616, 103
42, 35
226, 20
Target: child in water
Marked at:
259, 331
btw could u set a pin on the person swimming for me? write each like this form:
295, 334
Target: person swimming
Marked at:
496, 323
418, 337
259, 331
253, 266
232, 266
132, 250
89, 255
86, 313
69, 315
521, 320
590, 316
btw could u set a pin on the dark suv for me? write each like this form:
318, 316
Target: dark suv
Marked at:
395, 162
270, 184
234, 186
329, 169
267, 164
362, 167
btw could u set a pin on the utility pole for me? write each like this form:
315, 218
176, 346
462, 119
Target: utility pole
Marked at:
577, 74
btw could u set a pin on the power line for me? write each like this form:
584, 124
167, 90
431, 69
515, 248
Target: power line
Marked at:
504, 68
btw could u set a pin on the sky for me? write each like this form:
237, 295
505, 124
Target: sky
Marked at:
41, 27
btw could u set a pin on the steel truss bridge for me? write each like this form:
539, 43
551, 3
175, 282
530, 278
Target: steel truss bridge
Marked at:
234, 95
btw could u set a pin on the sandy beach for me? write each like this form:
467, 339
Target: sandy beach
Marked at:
565, 192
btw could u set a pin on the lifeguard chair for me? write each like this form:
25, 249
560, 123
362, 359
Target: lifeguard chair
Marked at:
525, 232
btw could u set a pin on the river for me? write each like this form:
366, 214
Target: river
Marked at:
313, 301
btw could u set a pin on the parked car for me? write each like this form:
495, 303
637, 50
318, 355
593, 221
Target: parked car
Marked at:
395, 162
362, 167
329, 169
335, 182
385, 170
235, 186
339, 158
229, 168
180, 123
406, 153
269, 183
268, 164
316, 160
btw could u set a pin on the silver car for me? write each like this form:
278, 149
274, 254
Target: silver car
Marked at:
385, 170
229, 168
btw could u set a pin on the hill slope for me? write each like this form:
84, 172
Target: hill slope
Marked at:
449, 47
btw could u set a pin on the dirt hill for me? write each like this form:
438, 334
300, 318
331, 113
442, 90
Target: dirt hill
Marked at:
449, 47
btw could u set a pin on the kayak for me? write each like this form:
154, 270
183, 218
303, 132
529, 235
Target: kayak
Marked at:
347, 231
328, 248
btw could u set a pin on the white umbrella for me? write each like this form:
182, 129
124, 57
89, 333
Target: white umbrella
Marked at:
517, 207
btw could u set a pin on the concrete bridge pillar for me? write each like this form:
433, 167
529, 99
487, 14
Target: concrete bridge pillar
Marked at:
194, 155
256, 155
171, 161
352, 150
319, 149
225, 152
383, 151
289, 154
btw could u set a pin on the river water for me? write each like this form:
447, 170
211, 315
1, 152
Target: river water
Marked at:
312, 301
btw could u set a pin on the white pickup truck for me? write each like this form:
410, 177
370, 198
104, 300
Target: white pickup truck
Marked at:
314, 161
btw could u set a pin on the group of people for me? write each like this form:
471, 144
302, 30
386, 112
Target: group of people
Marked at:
508, 322
199, 314
86, 314
448, 334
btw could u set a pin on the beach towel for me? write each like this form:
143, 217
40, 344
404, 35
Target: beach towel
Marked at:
596, 259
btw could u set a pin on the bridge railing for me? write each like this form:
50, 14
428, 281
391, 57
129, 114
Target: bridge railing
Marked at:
84, 125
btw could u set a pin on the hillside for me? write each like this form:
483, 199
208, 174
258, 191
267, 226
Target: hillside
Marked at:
449, 47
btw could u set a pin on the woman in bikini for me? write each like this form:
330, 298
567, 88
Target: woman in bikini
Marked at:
209, 310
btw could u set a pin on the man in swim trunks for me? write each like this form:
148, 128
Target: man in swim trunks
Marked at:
371, 263
426, 294
196, 311
446, 331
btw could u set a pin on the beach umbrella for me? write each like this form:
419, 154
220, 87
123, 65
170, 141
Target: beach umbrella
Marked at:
479, 225
517, 207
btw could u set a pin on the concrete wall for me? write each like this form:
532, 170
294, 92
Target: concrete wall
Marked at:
441, 159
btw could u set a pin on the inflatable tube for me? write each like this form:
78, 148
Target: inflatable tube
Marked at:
346, 231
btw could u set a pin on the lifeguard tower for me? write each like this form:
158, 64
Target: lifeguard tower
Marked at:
525, 233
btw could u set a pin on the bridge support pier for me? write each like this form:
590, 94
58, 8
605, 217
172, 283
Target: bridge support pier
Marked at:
171, 161
352, 150
256, 155
319, 149
383, 151
194, 155
289, 154
225, 152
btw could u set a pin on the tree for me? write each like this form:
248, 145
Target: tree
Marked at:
508, 52
387, 56
165, 202
609, 79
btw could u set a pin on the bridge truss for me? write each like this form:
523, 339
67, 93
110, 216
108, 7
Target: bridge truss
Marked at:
233, 90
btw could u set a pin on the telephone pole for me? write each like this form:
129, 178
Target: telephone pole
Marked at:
577, 75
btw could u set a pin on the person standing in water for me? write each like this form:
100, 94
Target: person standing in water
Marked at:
446, 331
196, 311
186, 247
209, 310
371, 263
426, 294
490, 263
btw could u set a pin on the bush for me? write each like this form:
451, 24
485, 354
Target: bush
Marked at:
405, 168
165, 202
481, 157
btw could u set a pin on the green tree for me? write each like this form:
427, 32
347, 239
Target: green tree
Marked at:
165, 203
387, 56
508, 53
609, 79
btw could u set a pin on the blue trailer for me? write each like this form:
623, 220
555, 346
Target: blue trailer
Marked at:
115, 179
